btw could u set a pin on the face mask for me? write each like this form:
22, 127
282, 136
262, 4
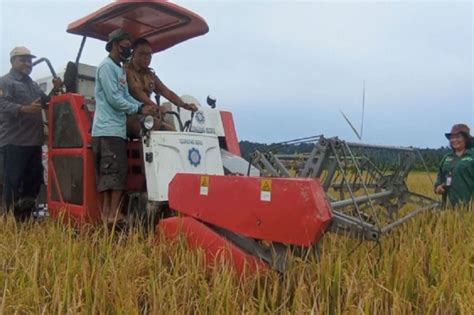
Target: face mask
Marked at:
125, 52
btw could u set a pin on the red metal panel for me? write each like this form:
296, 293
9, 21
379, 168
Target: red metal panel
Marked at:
231, 139
216, 247
136, 172
162, 23
69, 211
89, 211
287, 210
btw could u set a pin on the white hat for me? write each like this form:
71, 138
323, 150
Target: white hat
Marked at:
21, 51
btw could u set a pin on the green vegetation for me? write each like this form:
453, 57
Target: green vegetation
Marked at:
432, 157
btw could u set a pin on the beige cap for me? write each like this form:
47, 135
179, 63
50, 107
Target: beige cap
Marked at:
21, 51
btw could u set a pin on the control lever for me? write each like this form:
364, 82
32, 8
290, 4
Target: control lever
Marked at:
181, 127
189, 123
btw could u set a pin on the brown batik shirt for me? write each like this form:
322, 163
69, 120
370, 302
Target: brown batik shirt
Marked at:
144, 80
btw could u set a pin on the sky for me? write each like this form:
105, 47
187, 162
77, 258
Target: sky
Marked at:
286, 69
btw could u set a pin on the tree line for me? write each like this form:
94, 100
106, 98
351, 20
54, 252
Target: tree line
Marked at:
431, 157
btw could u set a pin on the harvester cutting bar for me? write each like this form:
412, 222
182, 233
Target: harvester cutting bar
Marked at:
215, 246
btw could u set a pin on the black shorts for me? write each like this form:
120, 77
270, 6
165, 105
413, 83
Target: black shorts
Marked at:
111, 163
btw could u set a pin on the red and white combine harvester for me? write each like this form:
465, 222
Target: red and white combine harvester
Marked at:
249, 213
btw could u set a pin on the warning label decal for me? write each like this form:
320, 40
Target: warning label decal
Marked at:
204, 189
266, 189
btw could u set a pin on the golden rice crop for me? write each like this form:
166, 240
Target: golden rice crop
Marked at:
424, 267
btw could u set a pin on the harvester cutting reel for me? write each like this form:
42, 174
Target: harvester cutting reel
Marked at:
366, 185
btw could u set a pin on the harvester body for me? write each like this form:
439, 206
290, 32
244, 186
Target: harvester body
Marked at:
224, 207
168, 153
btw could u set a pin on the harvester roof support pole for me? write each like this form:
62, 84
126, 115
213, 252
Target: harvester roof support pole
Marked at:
81, 48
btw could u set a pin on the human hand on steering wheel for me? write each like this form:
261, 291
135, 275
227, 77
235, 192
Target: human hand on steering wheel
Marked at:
162, 110
192, 107
57, 84
148, 109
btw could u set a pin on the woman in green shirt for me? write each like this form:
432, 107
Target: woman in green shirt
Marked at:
455, 179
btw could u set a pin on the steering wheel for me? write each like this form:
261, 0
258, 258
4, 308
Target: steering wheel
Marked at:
170, 112
189, 123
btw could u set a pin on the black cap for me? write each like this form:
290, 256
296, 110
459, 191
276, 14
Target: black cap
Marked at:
117, 35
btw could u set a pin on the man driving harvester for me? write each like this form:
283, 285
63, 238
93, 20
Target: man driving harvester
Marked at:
142, 82
113, 103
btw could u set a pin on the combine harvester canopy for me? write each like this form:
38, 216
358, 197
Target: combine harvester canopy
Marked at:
195, 180
162, 23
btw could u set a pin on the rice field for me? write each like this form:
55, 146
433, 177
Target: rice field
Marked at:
424, 267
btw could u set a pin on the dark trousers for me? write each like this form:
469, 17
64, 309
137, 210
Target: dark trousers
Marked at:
23, 174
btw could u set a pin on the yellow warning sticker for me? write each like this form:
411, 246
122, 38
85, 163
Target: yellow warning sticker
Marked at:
204, 189
266, 185
205, 181
266, 189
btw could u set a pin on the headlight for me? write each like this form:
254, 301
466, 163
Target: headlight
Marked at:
148, 122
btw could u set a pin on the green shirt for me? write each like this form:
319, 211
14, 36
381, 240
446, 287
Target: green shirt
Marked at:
461, 171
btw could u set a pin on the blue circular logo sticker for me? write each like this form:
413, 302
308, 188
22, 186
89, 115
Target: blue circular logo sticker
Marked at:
194, 157
200, 118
